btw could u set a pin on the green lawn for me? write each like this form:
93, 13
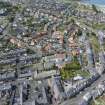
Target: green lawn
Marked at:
99, 101
73, 69
61, 28
67, 74
99, 26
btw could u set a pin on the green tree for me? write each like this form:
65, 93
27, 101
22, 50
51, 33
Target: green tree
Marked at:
72, 21
94, 8
79, 33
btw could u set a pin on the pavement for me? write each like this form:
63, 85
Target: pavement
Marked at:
77, 99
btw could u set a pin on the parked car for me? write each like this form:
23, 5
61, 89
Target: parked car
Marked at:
87, 96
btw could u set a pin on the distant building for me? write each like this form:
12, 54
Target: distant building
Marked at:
58, 36
14, 2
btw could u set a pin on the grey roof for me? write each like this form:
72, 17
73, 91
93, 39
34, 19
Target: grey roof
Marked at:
5, 86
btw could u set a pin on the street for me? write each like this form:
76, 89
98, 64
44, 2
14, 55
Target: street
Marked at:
77, 99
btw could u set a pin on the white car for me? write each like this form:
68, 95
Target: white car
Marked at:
87, 96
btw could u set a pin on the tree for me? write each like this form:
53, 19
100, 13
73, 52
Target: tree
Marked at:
94, 8
79, 33
70, 69
72, 21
